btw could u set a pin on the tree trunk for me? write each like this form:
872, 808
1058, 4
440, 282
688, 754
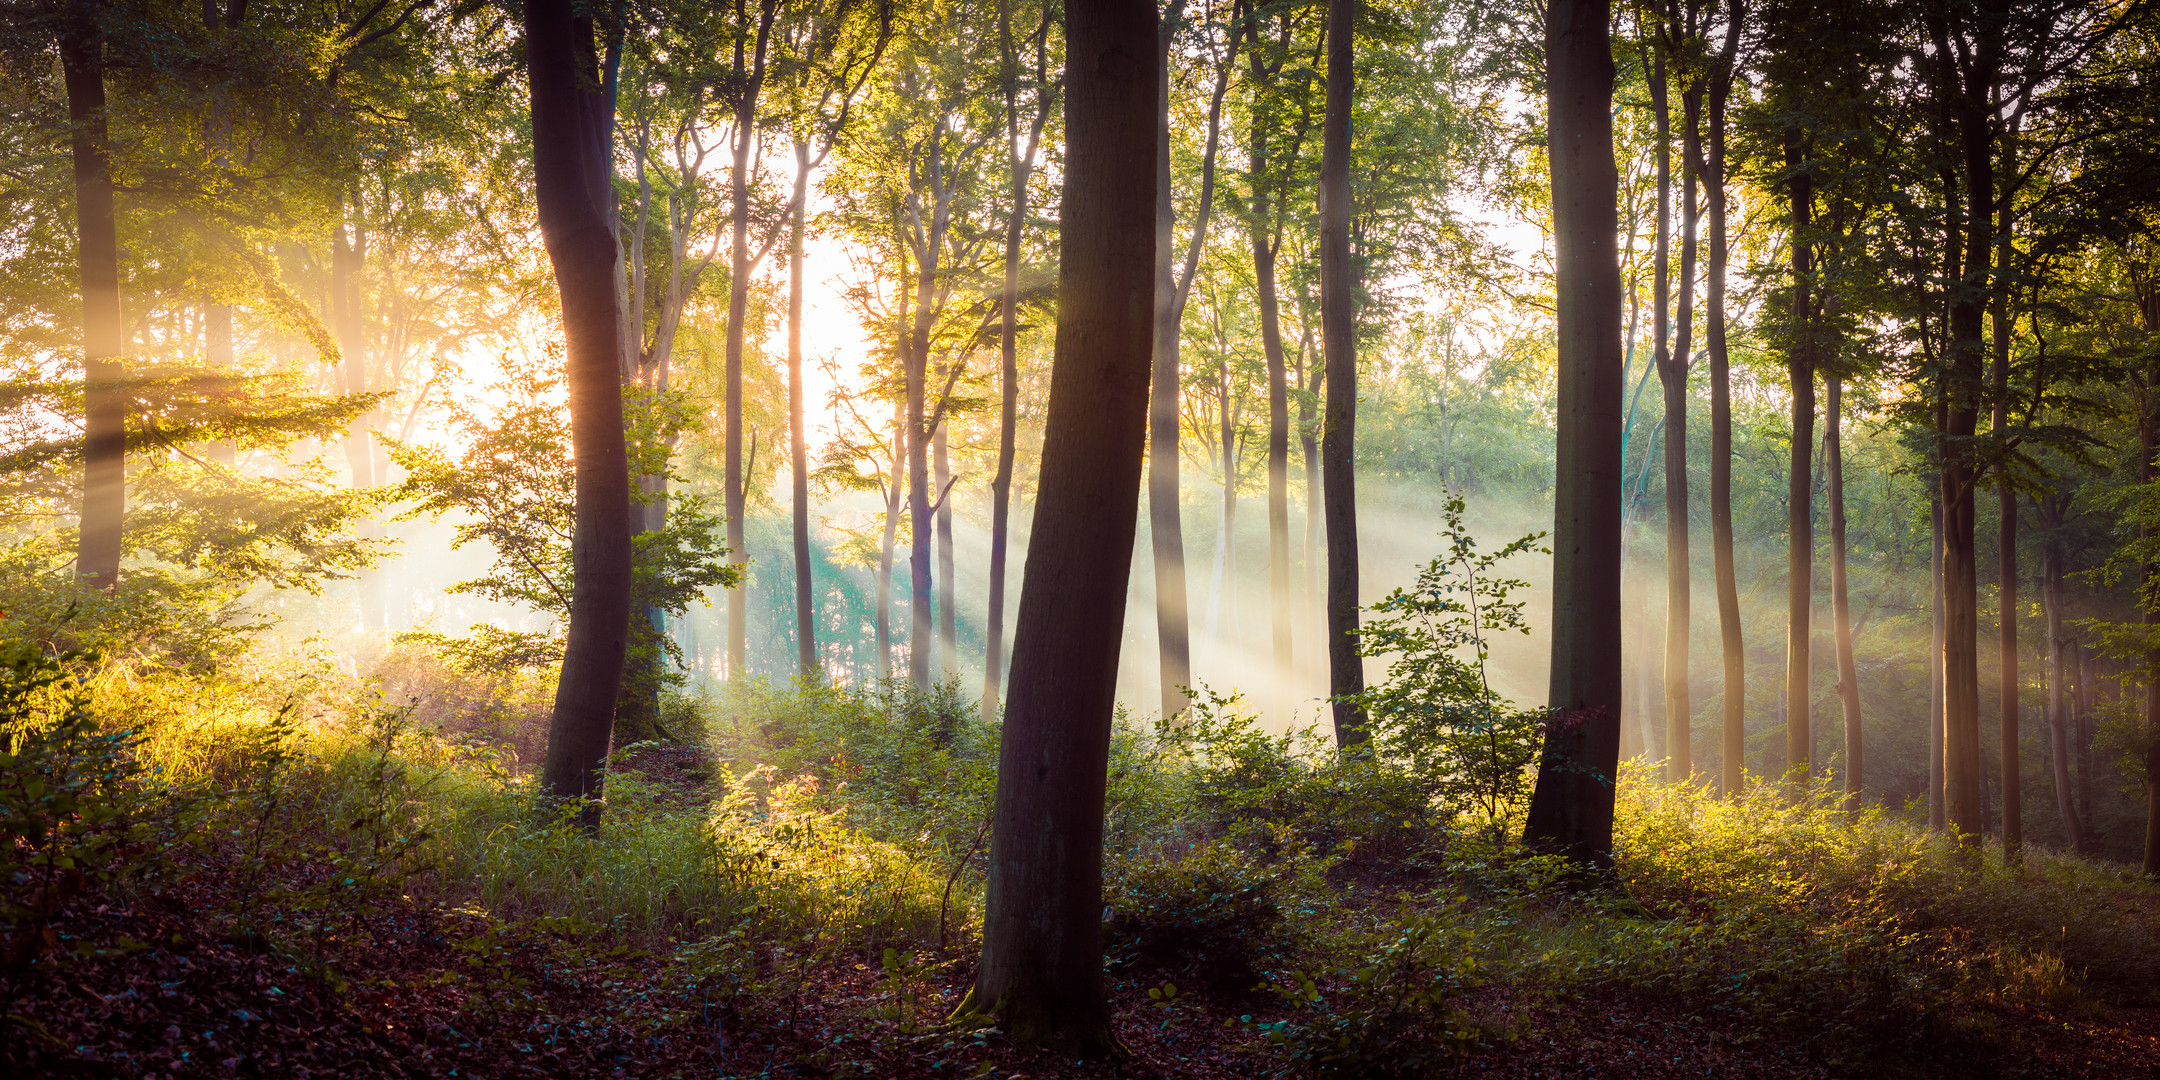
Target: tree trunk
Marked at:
917, 359
2148, 444
1022, 164
573, 135
1848, 672
104, 494
806, 650
1278, 444
1962, 789
1731, 646
1571, 810
2013, 795
1679, 707
885, 550
1041, 971
1936, 808
948, 659
2059, 700
743, 145
1800, 492
1338, 342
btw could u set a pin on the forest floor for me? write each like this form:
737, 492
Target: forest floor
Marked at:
411, 989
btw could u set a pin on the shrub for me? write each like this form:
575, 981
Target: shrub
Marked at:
1211, 915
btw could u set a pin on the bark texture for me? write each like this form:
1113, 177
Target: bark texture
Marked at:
1571, 809
573, 135
1041, 970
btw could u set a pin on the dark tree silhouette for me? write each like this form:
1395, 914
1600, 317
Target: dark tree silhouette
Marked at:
1338, 341
1041, 972
1571, 809
573, 130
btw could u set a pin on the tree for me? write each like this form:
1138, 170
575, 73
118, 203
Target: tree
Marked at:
752, 43
573, 124
1272, 160
1173, 289
1020, 166
104, 494
829, 56
1571, 808
1338, 335
1041, 972
1732, 646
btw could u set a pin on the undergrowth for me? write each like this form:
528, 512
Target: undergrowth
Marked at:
1345, 916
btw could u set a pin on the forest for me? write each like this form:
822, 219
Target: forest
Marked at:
1350, 539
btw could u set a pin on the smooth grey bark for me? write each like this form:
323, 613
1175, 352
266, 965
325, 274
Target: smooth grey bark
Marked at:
573, 135
1571, 808
1041, 971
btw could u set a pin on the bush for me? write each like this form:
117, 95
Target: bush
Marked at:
1211, 915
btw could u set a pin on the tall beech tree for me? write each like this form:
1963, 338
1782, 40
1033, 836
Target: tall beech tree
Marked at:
104, 334
1338, 342
573, 134
1020, 166
1173, 290
1041, 971
1275, 141
752, 45
1571, 808
830, 54
1731, 643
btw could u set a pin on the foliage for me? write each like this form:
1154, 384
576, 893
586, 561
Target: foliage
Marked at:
68, 814
510, 487
1437, 711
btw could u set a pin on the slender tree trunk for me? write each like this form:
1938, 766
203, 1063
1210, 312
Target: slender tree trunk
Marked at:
2013, 795
1731, 646
1022, 165
2148, 444
1679, 706
218, 318
1338, 341
893, 497
105, 344
1313, 606
2051, 596
1571, 810
1041, 970
2081, 721
1962, 788
1848, 672
743, 147
806, 650
1800, 498
1936, 806
573, 135
948, 635
1278, 445
921, 528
